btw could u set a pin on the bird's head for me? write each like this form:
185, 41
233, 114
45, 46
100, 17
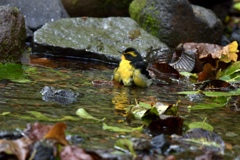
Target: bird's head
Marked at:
131, 54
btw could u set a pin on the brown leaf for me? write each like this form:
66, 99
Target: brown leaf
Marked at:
37, 131
208, 73
58, 133
19, 147
163, 71
216, 85
74, 153
169, 125
204, 50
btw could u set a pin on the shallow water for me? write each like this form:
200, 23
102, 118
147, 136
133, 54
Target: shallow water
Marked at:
102, 102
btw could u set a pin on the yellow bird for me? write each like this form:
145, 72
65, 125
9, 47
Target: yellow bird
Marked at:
132, 69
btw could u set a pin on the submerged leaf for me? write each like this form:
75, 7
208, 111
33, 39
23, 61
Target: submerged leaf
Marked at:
202, 125
81, 112
212, 93
217, 102
42, 117
204, 139
118, 129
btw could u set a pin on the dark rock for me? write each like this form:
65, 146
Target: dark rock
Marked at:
220, 7
175, 22
44, 150
12, 34
95, 38
235, 36
38, 12
96, 8
160, 144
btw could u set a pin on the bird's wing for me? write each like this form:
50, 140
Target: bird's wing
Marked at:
142, 66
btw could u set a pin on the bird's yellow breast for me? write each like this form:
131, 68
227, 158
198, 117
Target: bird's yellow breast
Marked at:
124, 73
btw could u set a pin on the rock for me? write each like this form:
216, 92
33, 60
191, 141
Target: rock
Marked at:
95, 38
96, 8
38, 12
61, 96
175, 22
220, 7
12, 34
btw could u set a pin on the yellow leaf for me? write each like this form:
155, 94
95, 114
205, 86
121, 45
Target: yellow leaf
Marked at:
229, 52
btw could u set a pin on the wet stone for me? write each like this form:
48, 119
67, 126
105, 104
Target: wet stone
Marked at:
95, 38
61, 96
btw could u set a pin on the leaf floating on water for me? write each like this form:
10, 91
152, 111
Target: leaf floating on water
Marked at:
13, 72
5, 113
118, 129
204, 139
81, 112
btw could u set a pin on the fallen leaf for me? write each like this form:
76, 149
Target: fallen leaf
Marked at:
204, 139
118, 129
19, 147
163, 71
58, 133
208, 73
229, 52
81, 112
203, 125
169, 125
37, 131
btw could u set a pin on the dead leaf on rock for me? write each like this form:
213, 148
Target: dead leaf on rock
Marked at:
205, 50
228, 53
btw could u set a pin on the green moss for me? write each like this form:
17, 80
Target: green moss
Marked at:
135, 8
151, 25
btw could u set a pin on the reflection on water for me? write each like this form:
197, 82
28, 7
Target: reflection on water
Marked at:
102, 102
